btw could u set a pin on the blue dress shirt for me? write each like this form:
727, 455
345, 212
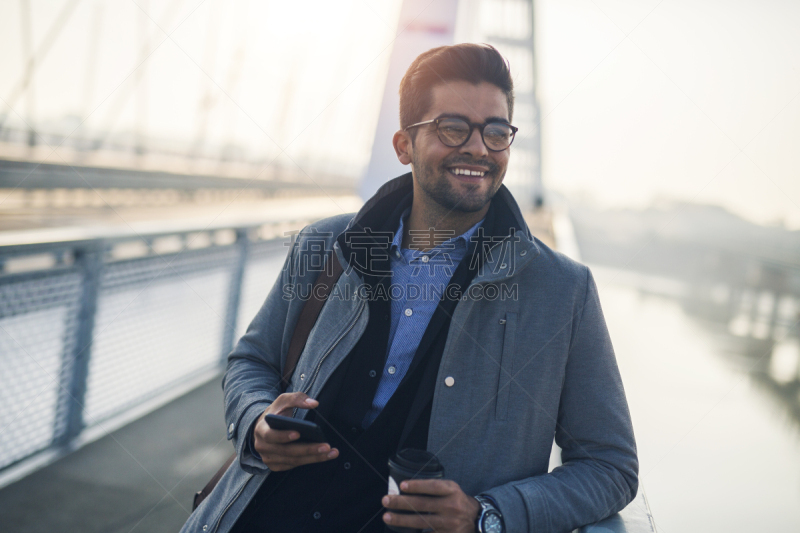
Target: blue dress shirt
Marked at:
418, 281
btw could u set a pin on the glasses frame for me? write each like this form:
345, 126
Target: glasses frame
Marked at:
472, 127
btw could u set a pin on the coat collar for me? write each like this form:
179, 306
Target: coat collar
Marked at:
511, 248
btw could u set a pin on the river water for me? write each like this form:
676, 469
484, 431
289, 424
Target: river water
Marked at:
719, 448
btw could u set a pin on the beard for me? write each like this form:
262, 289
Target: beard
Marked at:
433, 180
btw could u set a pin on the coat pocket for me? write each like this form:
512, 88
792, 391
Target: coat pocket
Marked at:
506, 366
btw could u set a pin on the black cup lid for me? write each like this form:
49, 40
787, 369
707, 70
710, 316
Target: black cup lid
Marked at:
417, 460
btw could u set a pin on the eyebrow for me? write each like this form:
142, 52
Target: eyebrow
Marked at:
464, 117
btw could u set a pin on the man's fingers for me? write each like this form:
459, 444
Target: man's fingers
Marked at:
276, 436
277, 462
420, 504
316, 458
290, 400
419, 521
432, 487
294, 450
277, 448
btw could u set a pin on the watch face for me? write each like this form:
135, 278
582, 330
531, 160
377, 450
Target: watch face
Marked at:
492, 523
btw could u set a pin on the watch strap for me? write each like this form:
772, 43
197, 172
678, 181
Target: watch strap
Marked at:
487, 504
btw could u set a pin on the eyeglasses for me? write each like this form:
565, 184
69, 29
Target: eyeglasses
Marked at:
455, 132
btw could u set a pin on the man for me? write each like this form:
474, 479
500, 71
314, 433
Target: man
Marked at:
451, 329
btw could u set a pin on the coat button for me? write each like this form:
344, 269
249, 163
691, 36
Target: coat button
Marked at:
449, 381
230, 428
302, 377
502, 321
205, 527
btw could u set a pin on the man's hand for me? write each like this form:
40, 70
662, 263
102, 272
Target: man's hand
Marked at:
276, 448
450, 509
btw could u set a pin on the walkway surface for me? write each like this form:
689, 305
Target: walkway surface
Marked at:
140, 478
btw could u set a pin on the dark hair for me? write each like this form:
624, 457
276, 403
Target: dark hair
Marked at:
468, 62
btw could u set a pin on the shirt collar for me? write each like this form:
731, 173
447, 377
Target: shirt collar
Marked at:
464, 237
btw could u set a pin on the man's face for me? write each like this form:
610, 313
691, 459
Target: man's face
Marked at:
440, 172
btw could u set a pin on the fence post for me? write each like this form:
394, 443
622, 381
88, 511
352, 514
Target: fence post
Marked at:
75, 369
235, 292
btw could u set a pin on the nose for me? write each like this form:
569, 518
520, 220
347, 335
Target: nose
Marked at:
474, 145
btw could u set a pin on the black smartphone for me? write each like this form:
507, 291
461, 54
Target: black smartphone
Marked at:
309, 431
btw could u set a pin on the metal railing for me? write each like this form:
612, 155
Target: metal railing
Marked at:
26, 175
92, 329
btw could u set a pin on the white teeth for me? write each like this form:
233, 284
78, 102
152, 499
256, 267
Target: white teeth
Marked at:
465, 172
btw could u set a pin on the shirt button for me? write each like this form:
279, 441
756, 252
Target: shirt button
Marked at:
391, 369
372, 373
317, 515
425, 258
449, 381
347, 466
397, 254
230, 428
205, 527
408, 312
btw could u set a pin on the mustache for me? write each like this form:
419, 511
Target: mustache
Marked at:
469, 161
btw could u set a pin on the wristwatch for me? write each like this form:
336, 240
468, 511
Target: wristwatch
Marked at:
490, 520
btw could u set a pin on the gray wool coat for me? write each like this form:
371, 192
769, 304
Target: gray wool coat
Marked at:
527, 367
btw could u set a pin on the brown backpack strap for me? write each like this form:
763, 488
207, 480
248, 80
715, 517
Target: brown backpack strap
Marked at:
201, 495
308, 317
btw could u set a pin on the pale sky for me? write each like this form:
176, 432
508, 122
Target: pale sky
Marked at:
275, 75
642, 99
698, 102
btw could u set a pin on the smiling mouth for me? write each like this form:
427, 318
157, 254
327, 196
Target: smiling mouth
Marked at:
467, 172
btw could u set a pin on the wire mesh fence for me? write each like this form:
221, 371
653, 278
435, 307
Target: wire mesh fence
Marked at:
38, 324
89, 330
264, 263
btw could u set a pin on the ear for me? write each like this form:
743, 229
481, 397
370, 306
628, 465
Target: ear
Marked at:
403, 147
